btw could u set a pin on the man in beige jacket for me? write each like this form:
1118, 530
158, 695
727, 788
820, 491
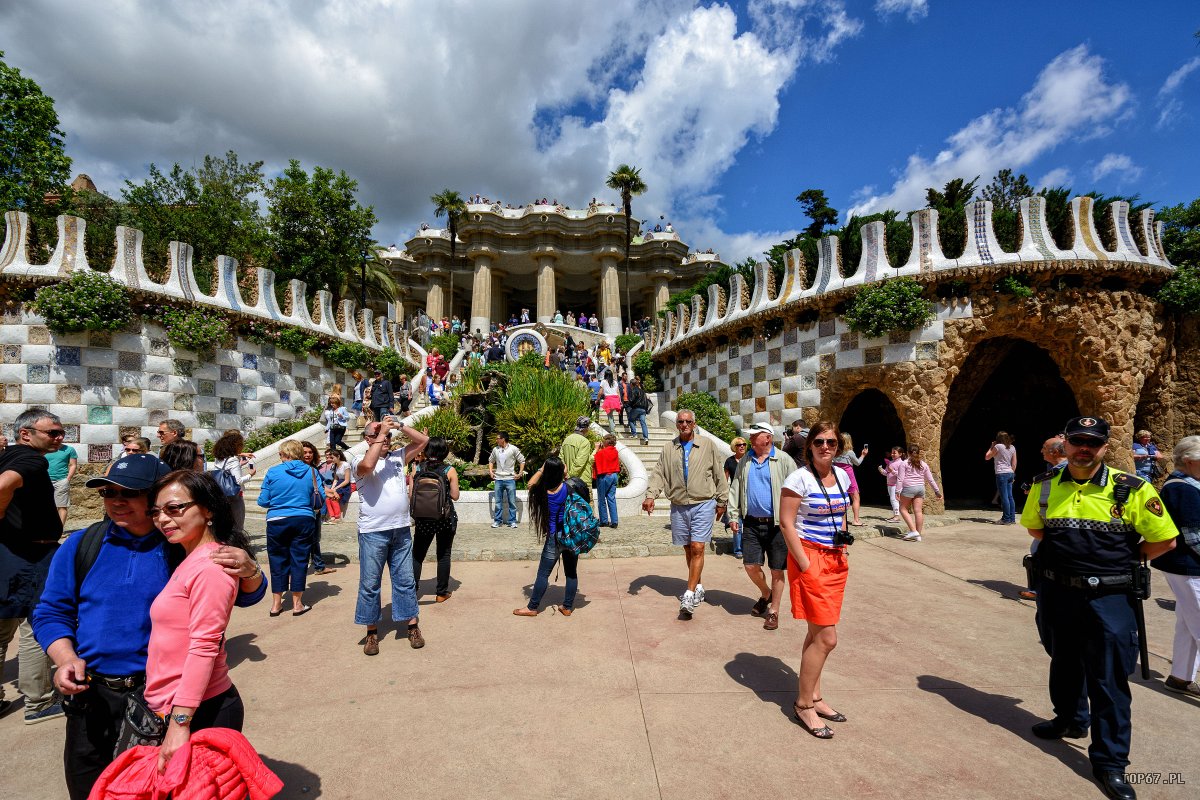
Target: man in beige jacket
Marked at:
691, 475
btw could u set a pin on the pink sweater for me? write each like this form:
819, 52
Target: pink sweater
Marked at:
185, 662
908, 475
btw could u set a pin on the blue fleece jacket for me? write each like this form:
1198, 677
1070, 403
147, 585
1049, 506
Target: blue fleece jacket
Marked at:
109, 620
287, 490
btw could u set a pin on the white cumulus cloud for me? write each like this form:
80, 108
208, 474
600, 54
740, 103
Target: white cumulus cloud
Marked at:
1170, 107
1117, 164
1059, 176
913, 9
1070, 98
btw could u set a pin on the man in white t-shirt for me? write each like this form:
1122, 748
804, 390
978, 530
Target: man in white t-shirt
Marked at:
385, 531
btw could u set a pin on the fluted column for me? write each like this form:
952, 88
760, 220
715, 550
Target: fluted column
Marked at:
547, 297
481, 294
435, 299
662, 292
610, 297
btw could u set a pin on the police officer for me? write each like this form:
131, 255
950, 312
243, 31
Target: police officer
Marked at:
1094, 524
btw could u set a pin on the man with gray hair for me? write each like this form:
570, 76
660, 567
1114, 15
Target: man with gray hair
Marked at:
29, 532
170, 431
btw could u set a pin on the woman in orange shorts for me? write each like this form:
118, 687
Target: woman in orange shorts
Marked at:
812, 511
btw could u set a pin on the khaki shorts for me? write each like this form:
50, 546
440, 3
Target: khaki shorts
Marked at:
62, 493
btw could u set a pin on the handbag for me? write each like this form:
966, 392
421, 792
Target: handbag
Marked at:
317, 502
139, 725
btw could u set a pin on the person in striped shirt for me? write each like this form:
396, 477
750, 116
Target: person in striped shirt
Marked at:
911, 477
812, 509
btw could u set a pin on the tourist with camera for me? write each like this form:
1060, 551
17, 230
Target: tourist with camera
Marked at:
812, 516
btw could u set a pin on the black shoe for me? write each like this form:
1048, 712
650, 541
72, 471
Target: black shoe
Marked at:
1053, 729
760, 607
1115, 786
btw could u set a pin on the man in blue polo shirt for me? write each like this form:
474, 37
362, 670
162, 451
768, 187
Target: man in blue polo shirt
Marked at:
754, 499
95, 626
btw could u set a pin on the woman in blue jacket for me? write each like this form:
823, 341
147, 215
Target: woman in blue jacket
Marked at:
287, 494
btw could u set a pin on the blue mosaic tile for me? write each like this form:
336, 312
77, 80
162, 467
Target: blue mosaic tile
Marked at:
66, 356
100, 415
285, 396
38, 373
249, 392
268, 379
158, 383
229, 405
249, 361
99, 376
268, 409
268, 350
229, 374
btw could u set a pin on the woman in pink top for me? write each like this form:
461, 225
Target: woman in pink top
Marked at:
911, 477
187, 678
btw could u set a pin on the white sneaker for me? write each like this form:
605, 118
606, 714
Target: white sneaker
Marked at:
699, 594
495, 524
687, 603
512, 524
912, 536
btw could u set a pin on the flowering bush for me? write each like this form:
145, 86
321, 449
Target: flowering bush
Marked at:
349, 355
893, 305
87, 301
297, 341
198, 328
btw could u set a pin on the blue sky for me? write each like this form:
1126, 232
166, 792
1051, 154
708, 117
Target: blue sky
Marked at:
729, 110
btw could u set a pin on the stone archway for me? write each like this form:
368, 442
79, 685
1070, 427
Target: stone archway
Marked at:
871, 418
1005, 384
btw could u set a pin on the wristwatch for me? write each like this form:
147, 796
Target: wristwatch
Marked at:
181, 719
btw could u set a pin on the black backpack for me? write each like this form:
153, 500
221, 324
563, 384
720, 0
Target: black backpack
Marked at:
431, 493
88, 551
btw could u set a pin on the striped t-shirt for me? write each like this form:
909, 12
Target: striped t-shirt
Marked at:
819, 518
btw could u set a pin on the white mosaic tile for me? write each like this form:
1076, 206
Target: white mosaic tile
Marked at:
98, 434
14, 334
39, 393
98, 357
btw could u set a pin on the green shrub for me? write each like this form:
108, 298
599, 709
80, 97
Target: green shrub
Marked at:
539, 409
446, 343
258, 439
710, 414
643, 367
87, 301
393, 365
892, 305
1012, 285
1181, 292
197, 328
349, 355
297, 341
627, 341
450, 425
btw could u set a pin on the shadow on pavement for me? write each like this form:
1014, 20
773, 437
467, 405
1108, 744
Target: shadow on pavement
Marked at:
554, 596
242, 648
297, 781
430, 589
320, 590
1005, 712
1006, 589
771, 680
736, 604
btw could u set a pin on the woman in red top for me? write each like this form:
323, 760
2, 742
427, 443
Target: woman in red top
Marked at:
187, 677
608, 467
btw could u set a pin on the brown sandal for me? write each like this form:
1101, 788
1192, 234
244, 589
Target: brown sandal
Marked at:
824, 732
524, 612
836, 716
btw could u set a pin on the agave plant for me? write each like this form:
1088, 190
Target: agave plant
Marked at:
447, 423
539, 410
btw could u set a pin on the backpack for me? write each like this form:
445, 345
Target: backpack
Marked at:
224, 478
580, 529
89, 550
431, 494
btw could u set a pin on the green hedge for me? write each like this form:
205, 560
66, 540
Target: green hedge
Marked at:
197, 328
1181, 292
710, 414
446, 343
643, 367
86, 301
892, 305
626, 342
349, 355
258, 439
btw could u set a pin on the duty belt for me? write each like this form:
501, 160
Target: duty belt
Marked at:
1109, 582
117, 682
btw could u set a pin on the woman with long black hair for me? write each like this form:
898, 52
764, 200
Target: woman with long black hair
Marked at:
547, 499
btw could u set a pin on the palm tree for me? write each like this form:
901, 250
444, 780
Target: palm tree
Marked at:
453, 206
628, 181
379, 284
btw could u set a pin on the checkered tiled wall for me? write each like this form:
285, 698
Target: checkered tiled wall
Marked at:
106, 385
771, 381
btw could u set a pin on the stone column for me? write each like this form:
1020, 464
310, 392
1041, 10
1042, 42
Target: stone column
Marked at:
481, 294
610, 297
500, 309
435, 299
547, 297
662, 292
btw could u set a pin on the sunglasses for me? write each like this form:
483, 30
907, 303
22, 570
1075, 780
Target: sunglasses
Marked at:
1085, 441
825, 442
684, 422
172, 510
743, 444
113, 491
53, 433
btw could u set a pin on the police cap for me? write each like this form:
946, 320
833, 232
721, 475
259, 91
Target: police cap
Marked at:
1086, 426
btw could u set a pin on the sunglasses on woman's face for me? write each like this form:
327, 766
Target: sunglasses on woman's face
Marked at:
113, 491
825, 442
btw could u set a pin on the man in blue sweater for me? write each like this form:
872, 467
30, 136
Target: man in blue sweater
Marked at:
96, 630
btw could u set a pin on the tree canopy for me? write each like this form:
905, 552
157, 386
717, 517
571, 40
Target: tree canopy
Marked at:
33, 158
628, 181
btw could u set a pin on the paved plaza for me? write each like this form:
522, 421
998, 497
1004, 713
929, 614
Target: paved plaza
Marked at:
939, 671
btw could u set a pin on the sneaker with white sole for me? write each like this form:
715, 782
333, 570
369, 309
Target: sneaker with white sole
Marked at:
512, 524
48, 713
687, 604
911, 536
699, 593
495, 524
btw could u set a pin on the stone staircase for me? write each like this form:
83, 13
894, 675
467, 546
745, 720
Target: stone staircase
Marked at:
648, 453
253, 510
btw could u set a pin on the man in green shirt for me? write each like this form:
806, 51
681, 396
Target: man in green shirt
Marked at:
63, 462
576, 452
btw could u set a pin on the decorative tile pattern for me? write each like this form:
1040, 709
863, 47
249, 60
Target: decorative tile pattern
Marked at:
249, 361
775, 387
898, 337
828, 362
760, 344
747, 362
827, 327
207, 388
267, 410
268, 350
790, 368
100, 415
184, 367
229, 405
12, 354
249, 392
100, 376
873, 355
247, 423
12, 393
927, 351
808, 348
160, 347
790, 400
849, 342
66, 356
314, 371
157, 416
183, 402
206, 419
285, 368
68, 394
131, 361
808, 381
791, 336
39, 334
268, 379
285, 396
100, 338
129, 397
158, 383
733, 351
99, 453
760, 373
229, 374
760, 404
72, 434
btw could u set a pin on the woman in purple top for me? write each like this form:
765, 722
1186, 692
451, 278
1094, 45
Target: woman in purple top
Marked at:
1003, 456
547, 498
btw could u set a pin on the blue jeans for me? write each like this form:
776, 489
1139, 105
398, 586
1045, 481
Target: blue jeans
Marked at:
550, 553
394, 548
289, 542
636, 415
1004, 484
506, 487
606, 498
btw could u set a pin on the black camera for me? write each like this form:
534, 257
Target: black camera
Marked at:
843, 538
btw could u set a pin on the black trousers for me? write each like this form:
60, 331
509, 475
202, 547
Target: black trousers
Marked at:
427, 531
94, 719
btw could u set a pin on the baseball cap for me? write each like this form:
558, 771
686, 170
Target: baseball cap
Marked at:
583, 423
759, 427
138, 471
1087, 426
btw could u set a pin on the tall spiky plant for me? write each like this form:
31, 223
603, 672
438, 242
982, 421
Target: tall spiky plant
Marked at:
628, 181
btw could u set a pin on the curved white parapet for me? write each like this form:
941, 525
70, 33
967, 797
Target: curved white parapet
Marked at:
228, 294
324, 307
794, 275
872, 264
1152, 233
1087, 240
300, 315
737, 289
715, 293
266, 305
1127, 249
982, 249
366, 317
669, 327
829, 275
181, 280
683, 318
1036, 242
926, 255
697, 315
14, 258
761, 298
69, 252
